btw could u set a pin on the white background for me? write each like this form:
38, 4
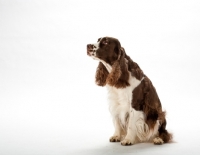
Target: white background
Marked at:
49, 103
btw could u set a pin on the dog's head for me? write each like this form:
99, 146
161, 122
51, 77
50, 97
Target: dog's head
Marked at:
112, 68
106, 49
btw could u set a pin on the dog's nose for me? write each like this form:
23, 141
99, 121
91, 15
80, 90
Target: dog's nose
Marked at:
89, 46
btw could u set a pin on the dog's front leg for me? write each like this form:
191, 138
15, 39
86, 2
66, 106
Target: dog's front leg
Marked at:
130, 138
117, 136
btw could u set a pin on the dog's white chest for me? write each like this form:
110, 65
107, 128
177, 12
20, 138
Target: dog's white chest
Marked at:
123, 96
120, 99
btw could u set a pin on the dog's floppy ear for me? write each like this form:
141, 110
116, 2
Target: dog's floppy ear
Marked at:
118, 48
119, 75
101, 75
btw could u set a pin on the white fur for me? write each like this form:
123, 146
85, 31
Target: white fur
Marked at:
108, 67
132, 129
158, 140
96, 46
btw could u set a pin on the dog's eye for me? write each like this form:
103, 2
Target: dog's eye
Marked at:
105, 42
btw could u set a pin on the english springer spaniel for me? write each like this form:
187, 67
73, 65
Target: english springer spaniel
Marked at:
134, 104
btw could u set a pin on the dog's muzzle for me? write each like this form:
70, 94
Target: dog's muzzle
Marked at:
91, 50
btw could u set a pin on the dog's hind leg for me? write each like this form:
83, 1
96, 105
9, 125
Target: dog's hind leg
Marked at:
137, 128
164, 135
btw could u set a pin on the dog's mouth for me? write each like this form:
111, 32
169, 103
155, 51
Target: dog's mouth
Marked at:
91, 50
92, 54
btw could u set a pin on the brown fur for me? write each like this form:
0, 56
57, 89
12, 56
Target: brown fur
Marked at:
101, 75
115, 74
145, 97
119, 75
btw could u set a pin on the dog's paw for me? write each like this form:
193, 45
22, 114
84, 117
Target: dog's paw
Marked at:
158, 141
115, 139
126, 142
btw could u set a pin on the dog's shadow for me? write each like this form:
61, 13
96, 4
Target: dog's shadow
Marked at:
117, 148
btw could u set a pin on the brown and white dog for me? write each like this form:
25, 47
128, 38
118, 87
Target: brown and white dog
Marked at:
134, 104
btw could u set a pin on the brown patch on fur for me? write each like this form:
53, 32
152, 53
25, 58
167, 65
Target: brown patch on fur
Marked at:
119, 74
123, 79
137, 72
145, 99
163, 133
101, 75
134, 68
